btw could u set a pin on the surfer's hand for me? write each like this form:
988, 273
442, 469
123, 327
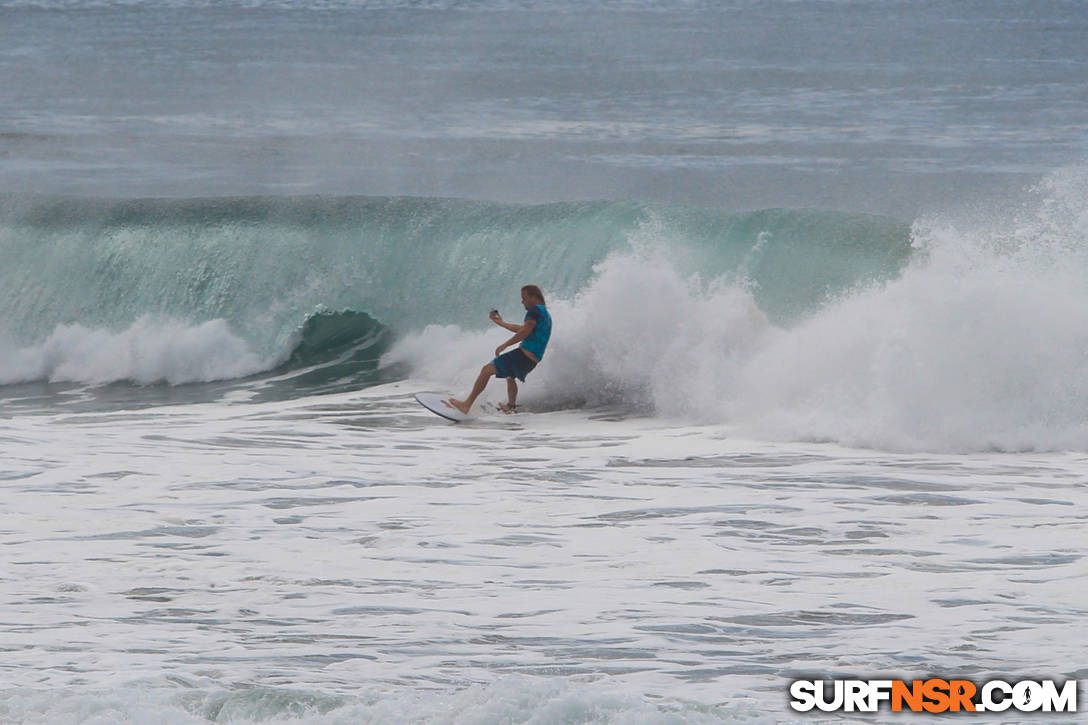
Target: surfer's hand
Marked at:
496, 317
499, 349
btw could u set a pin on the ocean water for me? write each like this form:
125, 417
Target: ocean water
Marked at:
814, 406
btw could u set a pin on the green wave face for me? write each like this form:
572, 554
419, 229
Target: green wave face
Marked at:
273, 266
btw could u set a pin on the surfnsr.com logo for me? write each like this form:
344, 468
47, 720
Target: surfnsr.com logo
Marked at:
933, 695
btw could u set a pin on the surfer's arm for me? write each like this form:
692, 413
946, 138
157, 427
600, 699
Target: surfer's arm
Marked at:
521, 332
512, 327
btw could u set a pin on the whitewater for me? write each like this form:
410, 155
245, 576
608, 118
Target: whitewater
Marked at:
813, 408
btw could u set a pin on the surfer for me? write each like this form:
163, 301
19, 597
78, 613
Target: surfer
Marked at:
533, 334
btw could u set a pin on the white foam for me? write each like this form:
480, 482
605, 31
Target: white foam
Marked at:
149, 351
351, 558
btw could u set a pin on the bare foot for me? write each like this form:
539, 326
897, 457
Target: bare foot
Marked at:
508, 407
459, 404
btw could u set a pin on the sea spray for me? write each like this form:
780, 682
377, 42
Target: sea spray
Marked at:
980, 344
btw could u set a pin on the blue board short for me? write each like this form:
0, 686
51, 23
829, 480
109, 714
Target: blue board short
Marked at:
513, 364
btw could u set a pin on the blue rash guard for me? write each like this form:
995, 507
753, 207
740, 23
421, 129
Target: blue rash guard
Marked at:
537, 341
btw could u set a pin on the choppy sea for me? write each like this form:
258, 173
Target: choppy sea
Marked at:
815, 405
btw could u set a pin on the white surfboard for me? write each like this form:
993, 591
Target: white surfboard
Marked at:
437, 404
